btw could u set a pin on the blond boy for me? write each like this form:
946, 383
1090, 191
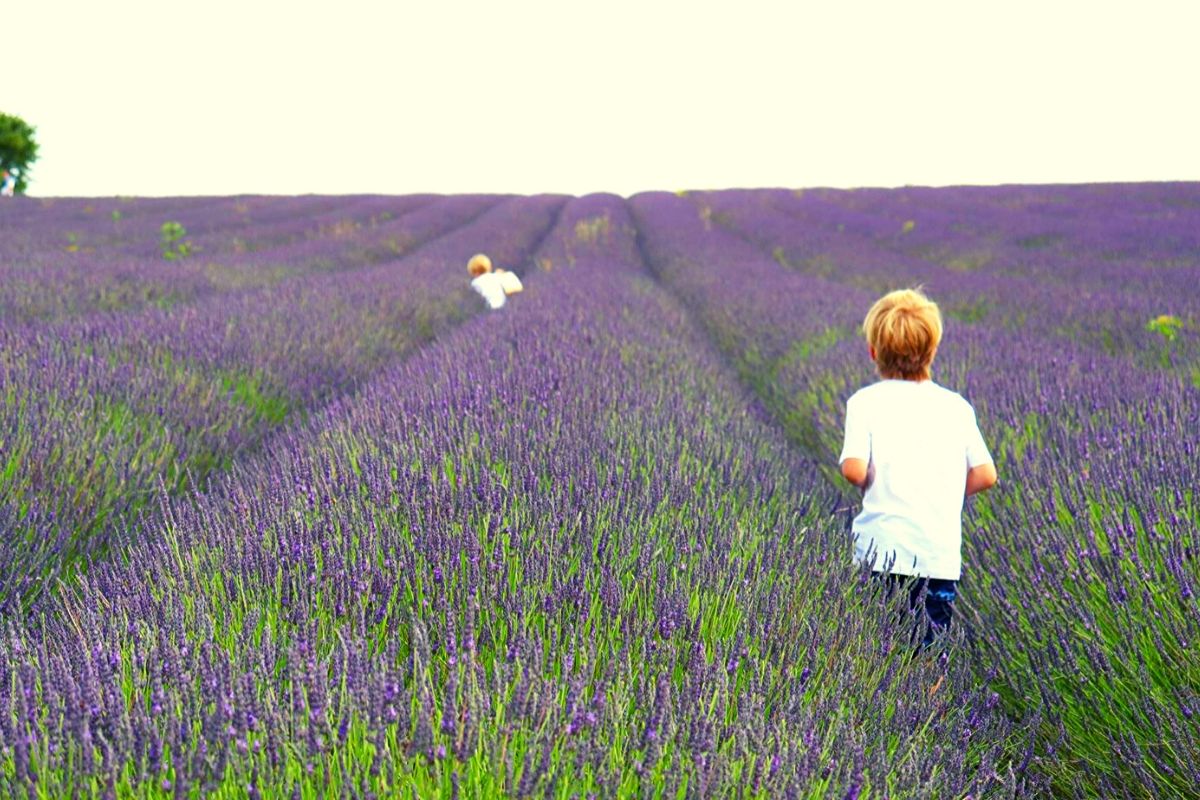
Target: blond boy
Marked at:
915, 450
494, 285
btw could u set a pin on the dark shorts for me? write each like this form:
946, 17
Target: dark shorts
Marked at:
939, 601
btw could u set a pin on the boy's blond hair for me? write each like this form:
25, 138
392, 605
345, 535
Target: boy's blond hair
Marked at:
904, 328
479, 264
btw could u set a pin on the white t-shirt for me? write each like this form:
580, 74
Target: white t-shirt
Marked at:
510, 282
491, 287
921, 439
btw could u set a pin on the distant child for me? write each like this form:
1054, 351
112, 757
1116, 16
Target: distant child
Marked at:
915, 450
8, 183
494, 286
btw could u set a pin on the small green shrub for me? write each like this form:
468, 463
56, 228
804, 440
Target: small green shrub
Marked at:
593, 230
1167, 326
174, 245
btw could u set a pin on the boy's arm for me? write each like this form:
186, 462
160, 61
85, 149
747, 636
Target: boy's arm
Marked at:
855, 460
981, 470
981, 478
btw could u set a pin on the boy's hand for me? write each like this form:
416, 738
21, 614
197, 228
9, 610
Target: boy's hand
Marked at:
981, 478
858, 472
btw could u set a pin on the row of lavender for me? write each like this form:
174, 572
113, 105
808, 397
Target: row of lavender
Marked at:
61, 261
1081, 570
556, 552
1091, 264
100, 407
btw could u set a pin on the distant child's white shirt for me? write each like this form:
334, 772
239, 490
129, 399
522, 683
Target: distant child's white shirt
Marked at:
491, 287
921, 439
510, 282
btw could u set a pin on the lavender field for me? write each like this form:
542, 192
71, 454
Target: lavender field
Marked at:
286, 513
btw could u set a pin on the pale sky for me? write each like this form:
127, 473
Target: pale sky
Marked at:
159, 97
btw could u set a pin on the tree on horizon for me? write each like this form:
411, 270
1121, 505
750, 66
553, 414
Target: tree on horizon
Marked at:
18, 149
